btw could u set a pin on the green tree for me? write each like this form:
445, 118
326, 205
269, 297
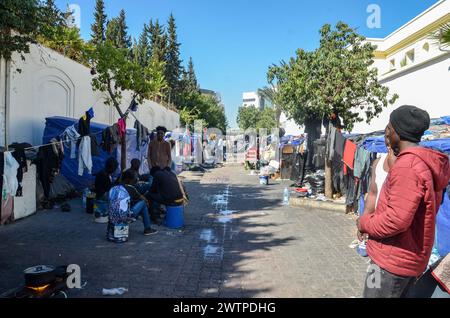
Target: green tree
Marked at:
173, 67
247, 117
22, 17
114, 74
337, 78
252, 117
271, 94
142, 50
267, 119
442, 37
116, 32
98, 28
158, 41
191, 78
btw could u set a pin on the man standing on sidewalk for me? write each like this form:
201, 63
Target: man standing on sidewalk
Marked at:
159, 152
402, 229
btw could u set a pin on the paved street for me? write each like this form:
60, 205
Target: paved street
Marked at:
239, 241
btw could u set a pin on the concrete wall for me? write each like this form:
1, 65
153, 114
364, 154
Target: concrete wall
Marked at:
50, 84
425, 86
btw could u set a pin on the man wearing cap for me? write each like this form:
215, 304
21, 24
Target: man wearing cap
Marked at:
402, 229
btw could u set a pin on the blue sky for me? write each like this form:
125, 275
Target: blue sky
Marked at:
232, 42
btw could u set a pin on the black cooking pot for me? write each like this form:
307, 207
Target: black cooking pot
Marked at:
38, 276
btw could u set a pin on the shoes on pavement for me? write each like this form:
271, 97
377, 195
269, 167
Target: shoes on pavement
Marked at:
150, 231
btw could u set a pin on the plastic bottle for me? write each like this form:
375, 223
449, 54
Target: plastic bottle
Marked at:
286, 196
85, 194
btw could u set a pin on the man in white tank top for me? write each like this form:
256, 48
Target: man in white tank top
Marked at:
380, 171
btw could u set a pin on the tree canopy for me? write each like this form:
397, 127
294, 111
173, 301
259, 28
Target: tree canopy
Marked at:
338, 77
252, 117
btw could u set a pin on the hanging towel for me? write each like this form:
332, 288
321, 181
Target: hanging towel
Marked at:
84, 156
141, 134
122, 127
349, 155
71, 136
110, 138
10, 183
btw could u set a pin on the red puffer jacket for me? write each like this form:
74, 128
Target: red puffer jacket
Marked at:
401, 230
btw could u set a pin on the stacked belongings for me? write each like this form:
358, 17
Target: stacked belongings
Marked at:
315, 182
119, 213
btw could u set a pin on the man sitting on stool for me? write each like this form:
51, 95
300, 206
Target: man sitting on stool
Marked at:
167, 189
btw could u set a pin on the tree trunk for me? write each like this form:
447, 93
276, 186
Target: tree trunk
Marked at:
123, 153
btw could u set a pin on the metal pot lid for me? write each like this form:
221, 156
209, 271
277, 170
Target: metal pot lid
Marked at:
39, 269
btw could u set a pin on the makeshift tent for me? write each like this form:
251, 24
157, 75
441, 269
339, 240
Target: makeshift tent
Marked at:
54, 127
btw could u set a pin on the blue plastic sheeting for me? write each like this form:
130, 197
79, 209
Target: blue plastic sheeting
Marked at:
446, 119
54, 127
376, 144
443, 227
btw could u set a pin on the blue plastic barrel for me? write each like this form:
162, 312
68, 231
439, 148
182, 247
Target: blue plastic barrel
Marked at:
174, 217
264, 180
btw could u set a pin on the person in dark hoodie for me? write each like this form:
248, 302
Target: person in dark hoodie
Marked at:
401, 231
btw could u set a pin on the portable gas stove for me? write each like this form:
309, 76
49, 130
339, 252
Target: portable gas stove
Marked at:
45, 282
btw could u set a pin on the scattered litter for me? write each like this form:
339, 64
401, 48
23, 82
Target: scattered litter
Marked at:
321, 197
114, 291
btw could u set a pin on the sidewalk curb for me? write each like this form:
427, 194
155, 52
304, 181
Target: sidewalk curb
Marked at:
324, 205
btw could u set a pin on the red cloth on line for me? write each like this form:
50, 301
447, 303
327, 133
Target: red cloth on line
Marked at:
349, 155
122, 127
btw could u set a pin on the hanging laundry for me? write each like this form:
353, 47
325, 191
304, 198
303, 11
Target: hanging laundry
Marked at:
134, 106
85, 156
71, 136
339, 144
94, 146
110, 138
331, 142
10, 183
19, 155
48, 162
362, 162
141, 134
349, 155
90, 112
84, 124
122, 127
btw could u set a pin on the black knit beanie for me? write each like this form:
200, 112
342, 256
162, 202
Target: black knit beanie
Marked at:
410, 123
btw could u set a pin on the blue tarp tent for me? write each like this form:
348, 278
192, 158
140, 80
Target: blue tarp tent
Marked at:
376, 144
54, 127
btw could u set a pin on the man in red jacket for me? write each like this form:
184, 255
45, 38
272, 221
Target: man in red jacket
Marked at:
401, 231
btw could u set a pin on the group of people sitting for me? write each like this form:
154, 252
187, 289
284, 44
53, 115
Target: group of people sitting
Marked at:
148, 193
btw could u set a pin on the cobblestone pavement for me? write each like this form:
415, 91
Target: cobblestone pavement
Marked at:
239, 241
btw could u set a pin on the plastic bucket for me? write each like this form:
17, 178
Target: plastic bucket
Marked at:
174, 217
264, 180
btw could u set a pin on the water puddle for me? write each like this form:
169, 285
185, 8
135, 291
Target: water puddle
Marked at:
224, 219
208, 236
213, 253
